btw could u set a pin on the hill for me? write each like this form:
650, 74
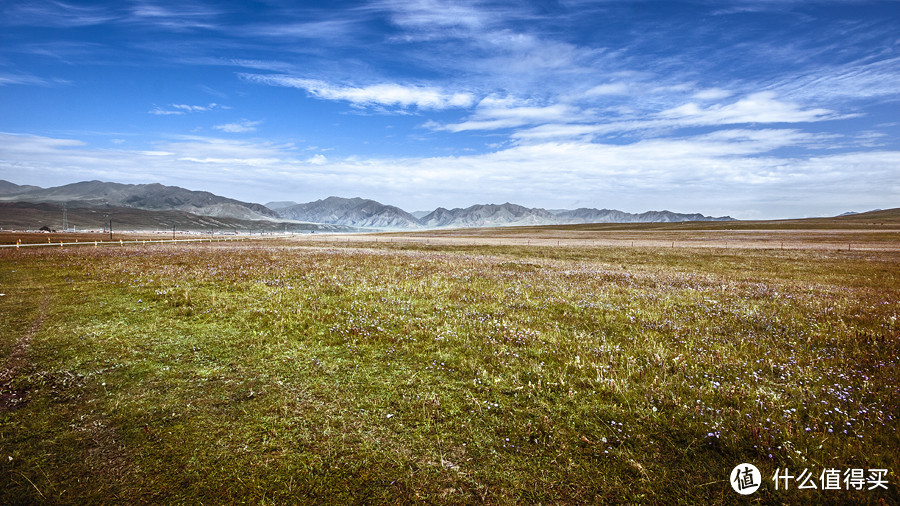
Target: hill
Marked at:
366, 213
355, 212
585, 215
487, 215
156, 197
32, 216
345, 212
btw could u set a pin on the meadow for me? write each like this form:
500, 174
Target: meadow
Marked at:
314, 371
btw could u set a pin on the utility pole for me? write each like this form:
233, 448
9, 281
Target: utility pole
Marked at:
110, 229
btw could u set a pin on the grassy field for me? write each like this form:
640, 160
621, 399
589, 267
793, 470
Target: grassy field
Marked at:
383, 372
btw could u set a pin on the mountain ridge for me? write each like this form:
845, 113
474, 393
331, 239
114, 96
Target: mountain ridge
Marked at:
356, 211
150, 197
353, 212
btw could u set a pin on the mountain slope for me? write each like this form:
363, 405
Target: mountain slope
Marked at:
275, 206
487, 215
32, 216
7, 188
355, 212
585, 215
154, 196
514, 215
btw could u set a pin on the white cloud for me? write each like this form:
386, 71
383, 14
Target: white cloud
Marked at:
58, 14
712, 94
239, 127
163, 112
317, 160
608, 89
855, 80
428, 14
178, 109
390, 94
27, 79
507, 112
327, 31
556, 131
762, 107
568, 120
185, 15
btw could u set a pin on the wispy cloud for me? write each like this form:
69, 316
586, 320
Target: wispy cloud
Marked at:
712, 94
183, 16
390, 94
30, 80
433, 14
178, 109
854, 81
56, 14
557, 121
332, 31
242, 126
495, 113
762, 107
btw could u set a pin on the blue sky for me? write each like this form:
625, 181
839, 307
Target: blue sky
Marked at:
753, 108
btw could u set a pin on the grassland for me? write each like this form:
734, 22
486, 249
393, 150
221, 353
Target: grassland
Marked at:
401, 371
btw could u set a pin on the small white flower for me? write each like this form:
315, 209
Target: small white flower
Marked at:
390, 416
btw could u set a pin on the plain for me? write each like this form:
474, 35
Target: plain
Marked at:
385, 369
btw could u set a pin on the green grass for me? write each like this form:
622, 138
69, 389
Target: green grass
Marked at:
278, 373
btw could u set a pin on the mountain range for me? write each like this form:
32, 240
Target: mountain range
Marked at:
156, 197
355, 212
364, 213
332, 213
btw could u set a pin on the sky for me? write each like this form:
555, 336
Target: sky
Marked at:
757, 109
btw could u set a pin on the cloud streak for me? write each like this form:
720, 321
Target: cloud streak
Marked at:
242, 126
179, 109
762, 107
30, 80
389, 94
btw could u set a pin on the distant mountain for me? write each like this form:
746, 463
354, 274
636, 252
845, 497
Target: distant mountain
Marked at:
854, 213
487, 215
7, 188
156, 197
514, 215
275, 206
585, 215
32, 216
355, 212
365, 213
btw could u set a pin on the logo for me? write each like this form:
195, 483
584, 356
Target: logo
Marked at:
745, 479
